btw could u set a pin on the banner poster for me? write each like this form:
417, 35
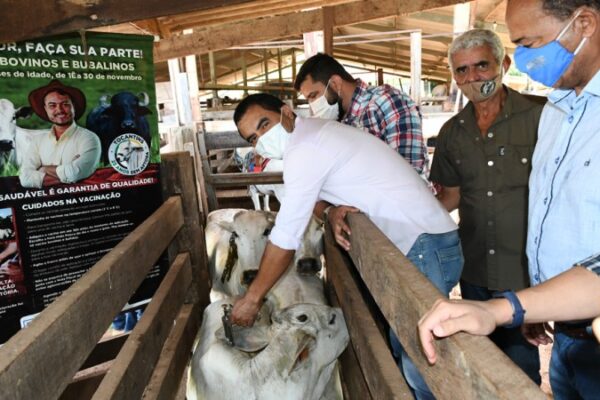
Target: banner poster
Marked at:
79, 163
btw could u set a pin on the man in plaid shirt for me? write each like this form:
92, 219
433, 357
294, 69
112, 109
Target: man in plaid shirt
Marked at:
383, 111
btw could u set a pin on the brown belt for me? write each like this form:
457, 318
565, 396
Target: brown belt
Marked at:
579, 330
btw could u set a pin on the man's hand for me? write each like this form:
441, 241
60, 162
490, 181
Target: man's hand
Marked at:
448, 317
337, 219
245, 311
536, 333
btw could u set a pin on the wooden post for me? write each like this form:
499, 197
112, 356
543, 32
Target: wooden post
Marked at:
213, 78
379, 76
244, 73
177, 178
295, 94
266, 56
328, 25
415, 67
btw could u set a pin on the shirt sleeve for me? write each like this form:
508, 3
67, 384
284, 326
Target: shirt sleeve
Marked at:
29, 176
592, 263
84, 162
443, 170
306, 168
402, 129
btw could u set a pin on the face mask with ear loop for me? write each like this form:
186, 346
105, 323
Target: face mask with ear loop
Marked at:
274, 142
546, 64
320, 108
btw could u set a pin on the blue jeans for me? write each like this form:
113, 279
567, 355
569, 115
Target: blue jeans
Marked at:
575, 368
439, 257
510, 341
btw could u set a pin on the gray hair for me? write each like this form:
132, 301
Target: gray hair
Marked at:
475, 38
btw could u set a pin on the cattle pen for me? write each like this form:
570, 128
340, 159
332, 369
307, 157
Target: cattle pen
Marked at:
58, 356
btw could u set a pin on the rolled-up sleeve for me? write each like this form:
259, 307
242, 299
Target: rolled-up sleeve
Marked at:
29, 176
306, 168
85, 161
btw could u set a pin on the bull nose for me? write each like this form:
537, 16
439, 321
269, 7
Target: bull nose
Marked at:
128, 124
308, 265
6, 145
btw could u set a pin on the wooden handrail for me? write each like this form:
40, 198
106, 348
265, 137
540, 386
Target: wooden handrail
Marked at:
468, 367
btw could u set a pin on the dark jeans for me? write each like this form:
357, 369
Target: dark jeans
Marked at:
575, 368
510, 341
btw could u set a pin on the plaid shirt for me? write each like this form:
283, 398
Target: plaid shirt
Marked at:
592, 263
393, 117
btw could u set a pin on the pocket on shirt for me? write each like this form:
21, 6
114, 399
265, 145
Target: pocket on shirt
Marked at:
517, 164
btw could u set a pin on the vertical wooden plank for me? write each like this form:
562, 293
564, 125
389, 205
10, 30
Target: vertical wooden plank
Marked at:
213, 78
211, 194
173, 64
379, 76
328, 25
133, 367
381, 372
177, 177
295, 94
266, 56
192, 73
354, 385
279, 67
167, 375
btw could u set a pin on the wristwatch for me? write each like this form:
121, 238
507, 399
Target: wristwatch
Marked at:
518, 311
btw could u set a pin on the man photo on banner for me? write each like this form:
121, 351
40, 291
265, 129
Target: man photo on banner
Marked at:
68, 152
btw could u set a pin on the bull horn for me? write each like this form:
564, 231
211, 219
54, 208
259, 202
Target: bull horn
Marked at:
144, 99
105, 100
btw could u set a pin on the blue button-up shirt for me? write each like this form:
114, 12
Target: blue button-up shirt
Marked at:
564, 198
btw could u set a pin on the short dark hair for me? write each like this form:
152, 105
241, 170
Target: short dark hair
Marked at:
321, 67
563, 9
265, 100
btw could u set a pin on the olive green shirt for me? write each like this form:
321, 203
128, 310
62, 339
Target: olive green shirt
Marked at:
492, 171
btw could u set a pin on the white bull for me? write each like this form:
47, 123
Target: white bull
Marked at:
235, 241
14, 140
301, 347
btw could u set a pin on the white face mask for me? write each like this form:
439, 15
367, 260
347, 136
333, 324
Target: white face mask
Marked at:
273, 143
320, 108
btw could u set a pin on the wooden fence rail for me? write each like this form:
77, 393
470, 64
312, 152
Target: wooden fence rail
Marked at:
468, 367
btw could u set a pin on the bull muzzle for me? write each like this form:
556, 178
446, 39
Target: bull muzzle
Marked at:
308, 266
6, 145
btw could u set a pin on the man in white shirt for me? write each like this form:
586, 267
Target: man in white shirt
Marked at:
68, 153
326, 160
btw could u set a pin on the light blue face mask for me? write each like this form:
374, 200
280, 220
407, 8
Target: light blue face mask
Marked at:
546, 64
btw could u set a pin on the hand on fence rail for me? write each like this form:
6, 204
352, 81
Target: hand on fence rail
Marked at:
448, 317
337, 219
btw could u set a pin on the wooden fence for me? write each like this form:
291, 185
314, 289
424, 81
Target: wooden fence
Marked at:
39, 362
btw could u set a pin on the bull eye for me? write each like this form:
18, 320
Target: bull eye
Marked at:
267, 232
332, 320
302, 318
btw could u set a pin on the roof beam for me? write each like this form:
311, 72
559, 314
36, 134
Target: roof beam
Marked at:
67, 16
242, 32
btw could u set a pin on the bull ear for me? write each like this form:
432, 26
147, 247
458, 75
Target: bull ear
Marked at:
294, 352
227, 225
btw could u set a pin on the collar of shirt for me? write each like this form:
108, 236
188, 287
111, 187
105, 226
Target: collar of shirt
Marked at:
69, 132
564, 98
361, 96
513, 104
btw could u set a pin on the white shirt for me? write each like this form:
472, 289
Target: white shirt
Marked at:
326, 160
76, 155
564, 197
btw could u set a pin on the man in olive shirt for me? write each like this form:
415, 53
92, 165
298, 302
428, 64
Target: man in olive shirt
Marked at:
483, 160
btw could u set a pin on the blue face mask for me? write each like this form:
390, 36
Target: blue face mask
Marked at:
546, 64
